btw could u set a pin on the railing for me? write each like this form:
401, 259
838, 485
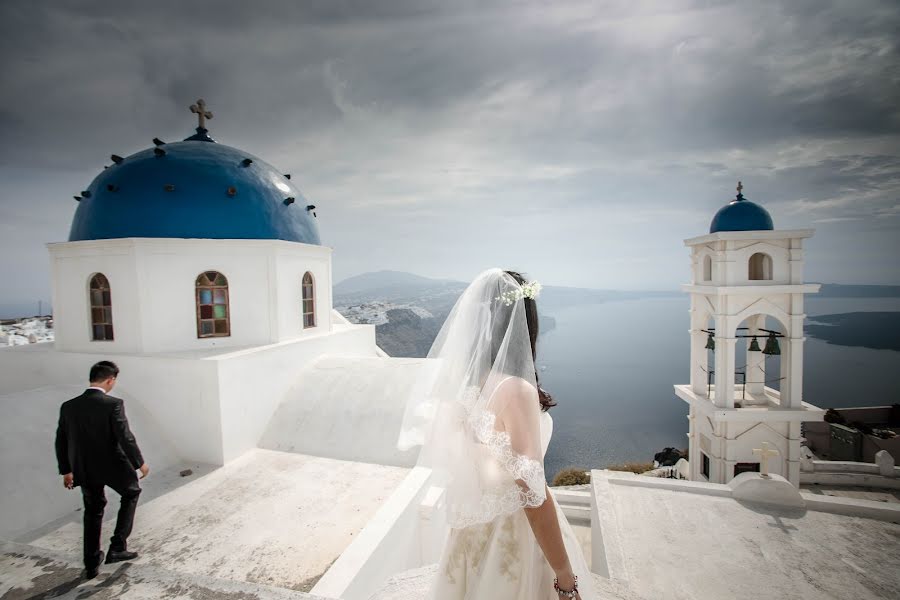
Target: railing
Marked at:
844, 466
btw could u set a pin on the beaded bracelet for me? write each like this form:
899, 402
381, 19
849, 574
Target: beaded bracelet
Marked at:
566, 593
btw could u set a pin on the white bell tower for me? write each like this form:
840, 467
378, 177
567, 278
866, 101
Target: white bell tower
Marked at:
747, 296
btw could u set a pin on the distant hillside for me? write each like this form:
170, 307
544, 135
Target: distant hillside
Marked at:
408, 310
406, 333
839, 290
876, 330
389, 281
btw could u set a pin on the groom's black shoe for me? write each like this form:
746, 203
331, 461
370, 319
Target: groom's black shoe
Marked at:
91, 572
114, 556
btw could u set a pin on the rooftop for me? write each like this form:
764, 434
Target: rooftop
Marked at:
31, 573
688, 540
269, 518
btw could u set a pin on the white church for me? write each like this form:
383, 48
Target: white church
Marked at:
270, 422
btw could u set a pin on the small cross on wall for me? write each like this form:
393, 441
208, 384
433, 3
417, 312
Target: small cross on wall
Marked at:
764, 453
202, 114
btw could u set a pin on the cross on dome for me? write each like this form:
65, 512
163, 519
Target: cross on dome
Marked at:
764, 453
740, 188
202, 114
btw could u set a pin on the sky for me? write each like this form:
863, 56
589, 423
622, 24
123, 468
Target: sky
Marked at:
580, 142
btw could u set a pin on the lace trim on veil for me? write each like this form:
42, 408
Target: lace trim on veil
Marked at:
528, 488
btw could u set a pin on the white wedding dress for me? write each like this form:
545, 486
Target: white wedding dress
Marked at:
476, 413
500, 560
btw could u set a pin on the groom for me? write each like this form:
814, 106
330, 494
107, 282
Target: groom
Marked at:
95, 448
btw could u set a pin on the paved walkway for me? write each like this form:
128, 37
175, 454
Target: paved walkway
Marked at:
848, 491
269, 518
29, 573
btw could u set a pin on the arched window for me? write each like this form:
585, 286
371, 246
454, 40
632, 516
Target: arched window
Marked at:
309, 301
707, 268
760, 267
101, 309
212, 305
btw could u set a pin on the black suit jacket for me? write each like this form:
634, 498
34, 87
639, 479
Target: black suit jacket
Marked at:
94, 442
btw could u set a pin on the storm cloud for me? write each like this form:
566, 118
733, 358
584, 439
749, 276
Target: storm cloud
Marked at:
578, 141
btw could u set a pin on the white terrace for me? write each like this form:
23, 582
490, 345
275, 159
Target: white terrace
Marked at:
268, 525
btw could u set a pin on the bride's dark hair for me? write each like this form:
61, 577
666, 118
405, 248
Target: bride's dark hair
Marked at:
531, 315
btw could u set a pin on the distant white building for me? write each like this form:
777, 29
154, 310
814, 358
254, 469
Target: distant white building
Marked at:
747, 294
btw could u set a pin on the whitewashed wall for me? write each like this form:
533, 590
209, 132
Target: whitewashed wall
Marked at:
213, 407
253, 383
401, 536
730, 436
153, 282
349, 408
290, 267
180, 395
72, 265
31, 492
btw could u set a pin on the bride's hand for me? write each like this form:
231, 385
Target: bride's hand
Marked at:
566, 581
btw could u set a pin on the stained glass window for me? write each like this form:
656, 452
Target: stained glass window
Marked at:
212, 305
309, 301
101, 309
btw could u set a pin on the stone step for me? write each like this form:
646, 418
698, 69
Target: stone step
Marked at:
572, 497
575, 504
30, 573
577, 514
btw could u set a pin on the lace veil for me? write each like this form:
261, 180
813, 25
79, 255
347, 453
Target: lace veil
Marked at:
476, 412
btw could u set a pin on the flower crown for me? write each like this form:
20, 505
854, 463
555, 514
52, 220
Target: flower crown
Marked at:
532, 290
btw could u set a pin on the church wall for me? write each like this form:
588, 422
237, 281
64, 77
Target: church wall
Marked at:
73, 265
744, 440
169, 270
348, 408
253, 383
211, 408
30, 494
706, 442
180, 395
739, 262
153, 287
290, 266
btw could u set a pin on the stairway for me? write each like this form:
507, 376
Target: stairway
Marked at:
575, 502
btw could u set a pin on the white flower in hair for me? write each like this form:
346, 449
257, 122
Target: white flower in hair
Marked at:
531, 290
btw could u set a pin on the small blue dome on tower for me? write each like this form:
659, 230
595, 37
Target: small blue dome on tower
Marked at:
196, 188
741, 215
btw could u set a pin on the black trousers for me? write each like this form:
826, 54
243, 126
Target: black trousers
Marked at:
94, 503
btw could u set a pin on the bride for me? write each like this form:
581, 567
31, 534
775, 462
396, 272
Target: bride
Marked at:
484, 429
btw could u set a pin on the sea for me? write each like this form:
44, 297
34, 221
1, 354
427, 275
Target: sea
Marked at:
611, 367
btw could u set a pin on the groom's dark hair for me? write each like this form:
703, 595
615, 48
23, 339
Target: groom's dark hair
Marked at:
103, 370
531, 316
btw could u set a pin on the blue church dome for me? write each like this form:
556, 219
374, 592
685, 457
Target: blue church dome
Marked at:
741, 215
196, 188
